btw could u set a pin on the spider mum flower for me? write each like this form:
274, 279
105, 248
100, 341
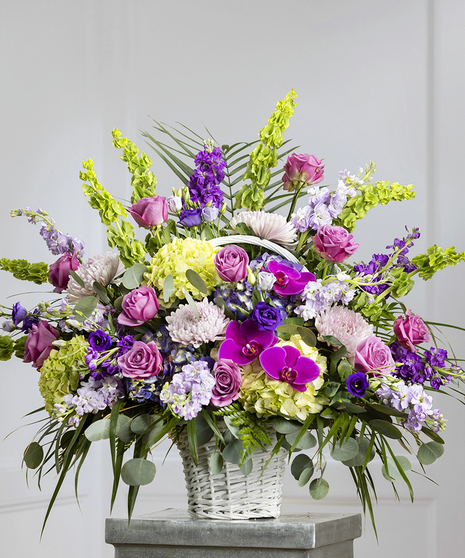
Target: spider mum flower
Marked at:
102, 269
185, 328
176, 258
346, 326
267, 225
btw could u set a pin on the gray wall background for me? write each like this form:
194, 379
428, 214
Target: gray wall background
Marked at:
376, 79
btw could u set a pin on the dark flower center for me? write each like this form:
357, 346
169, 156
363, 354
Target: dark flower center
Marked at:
281, 278
252, 349
287, 374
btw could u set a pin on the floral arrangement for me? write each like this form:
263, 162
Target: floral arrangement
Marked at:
229, 310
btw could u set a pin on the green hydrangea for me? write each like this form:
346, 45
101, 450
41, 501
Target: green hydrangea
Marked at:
266, 397
59, 374
21, 269
176, 258
6, 347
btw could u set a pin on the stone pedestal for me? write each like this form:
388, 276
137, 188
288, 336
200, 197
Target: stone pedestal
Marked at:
174, 534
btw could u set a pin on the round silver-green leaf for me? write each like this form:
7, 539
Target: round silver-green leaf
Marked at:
99, 430
345, 451
299, 464
284, 426
216, 463
232, 452
386, 429
247, 467
141, 423
138, 471
307, 441
428, 453
359, 459
33, 455
319, 488
390, 470
123, 429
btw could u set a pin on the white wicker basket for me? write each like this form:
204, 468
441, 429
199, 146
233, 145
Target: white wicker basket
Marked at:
230, 494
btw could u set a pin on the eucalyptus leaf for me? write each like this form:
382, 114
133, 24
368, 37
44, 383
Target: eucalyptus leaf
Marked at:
284, 426
387, 410
319, 488
138, 471
299, 464
192, 304
386, 429
134, 276
305, 476
428, 453
359, 459
141, 423
123, 429
168, 287
197, 281
232, 427
33, 455
101, 292
232, 452
308, 337
216, 463
307, 441
84, 308
345, 451
78, 279
390, 470
98, 430
219, 301
202, 430
246, 467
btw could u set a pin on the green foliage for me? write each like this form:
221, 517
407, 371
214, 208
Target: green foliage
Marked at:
436, 259
143, 181
6, 347
21, 269
381, 193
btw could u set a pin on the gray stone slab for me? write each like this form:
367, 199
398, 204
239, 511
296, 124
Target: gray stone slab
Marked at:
175, 534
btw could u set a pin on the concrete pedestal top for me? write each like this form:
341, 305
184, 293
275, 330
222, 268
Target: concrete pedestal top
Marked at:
175, 534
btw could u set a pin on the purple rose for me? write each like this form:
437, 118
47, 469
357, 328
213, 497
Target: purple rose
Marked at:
190, 217
143, 360
231, 263
357, 384
289, 281
266, 316
411, 331
150, 212
18, 313
59, 271
302, 169
374, 357
39, 343
228, 380
334, 244
139, 306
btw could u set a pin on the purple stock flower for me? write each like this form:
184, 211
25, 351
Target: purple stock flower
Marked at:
18, 313
125, 344
357, 384
287, 365
244, 342
412, 368
99, 340
288, 280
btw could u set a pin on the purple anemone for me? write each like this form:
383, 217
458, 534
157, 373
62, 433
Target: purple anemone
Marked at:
289, 281
286, 364
245, 342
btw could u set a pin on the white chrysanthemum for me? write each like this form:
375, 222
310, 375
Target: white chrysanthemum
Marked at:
185, 328
270, 226
102, 269
346, 326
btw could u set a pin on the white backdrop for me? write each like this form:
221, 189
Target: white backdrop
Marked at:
376, 79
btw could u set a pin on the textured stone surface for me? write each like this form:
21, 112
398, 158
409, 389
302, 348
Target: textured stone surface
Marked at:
174, 534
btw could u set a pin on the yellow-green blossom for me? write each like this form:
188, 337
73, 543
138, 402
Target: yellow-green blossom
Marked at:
176, 258
59, 374
261, 395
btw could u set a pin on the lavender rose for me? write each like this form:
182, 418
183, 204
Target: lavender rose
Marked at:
150, 212
266, 316
300, 170
334, 244
59, 271
231, 263
374, 357
228, 380
143, 360
39, 343
411, 331
139, 306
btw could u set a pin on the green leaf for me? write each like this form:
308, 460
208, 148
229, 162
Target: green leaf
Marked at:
319, 488
433, 435
141, 423
390, 470
232, 452
299, 464
134, 276
192, 304
308, 337
138, 471
428, 453
98, 430
101, 292
305, 476
202, 430
345, 451
78, 280
219, 301
216, 463
232, 427
33, 455
197, 281
386, 429
387, 410
246, 467
84, 308
123, 429
359, 459
307, 441
168, 288
284, 426
192, 439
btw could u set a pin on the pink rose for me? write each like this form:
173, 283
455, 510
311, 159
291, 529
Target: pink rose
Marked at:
39, 343
59, 271
228, 380
143, 360
374, 357
231, 263
139, 306
150, 212
300, 170
411, 331
334, 244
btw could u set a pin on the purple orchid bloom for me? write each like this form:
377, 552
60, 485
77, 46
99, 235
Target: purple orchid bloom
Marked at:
289, 281
286, 364
245, 342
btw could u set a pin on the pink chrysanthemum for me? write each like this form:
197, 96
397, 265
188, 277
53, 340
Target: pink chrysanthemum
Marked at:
270, 226
102, 269
185, 328
346, 326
